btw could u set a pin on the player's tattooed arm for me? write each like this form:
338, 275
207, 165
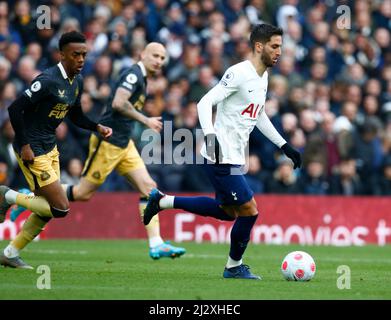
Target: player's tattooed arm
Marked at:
122, 105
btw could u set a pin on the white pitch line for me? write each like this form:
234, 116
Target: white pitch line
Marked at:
51, 251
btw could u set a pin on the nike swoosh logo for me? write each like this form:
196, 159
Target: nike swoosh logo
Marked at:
250, 90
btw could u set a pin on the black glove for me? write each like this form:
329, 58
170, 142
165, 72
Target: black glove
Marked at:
213, 149
293, 154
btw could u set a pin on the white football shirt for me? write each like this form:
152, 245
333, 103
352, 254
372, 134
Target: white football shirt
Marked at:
240, 98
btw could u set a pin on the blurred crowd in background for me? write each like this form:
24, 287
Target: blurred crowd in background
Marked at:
329, 95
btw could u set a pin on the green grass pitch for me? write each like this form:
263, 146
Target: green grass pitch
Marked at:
122, 269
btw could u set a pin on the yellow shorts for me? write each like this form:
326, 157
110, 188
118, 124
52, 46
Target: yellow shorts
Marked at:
44, 171
104, 157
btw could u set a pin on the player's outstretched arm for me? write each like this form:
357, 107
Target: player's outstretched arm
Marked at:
82, 121
122, 105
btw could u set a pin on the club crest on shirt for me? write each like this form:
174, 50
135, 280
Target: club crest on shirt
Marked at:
36, 86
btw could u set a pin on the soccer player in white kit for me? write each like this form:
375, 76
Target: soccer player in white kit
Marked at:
240, 98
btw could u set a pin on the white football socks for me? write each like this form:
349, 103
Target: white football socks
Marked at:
10, 196
11, 252
233, 263
167, 202
155, 241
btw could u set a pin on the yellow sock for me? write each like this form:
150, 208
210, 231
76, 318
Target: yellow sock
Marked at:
31, 228
36, 204
153, 228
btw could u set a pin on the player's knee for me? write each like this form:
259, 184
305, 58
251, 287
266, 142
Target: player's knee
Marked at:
248, 209
59, 213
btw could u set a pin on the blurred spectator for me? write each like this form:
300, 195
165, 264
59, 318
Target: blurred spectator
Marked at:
382, 38
368, 153
189, 65
7, 154
24, 22
373, 87
232, 10
79, 10
289, 123
155, 17
215, 56
8, 34
205, 82
26, 71
102, 75
346, 181
287, 69
278, 88
298, 139
34, 50
371, 106
215, 28
255, 176
325, 144
348, 119
284, 180
257, 11
72, 173
308, 122
67, 145
314, 178
4, 172
5, 70
286, 13
382, 186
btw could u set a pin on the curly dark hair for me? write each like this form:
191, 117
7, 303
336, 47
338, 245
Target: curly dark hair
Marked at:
69, 37
263, 32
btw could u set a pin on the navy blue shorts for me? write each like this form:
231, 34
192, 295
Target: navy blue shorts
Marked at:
230, 185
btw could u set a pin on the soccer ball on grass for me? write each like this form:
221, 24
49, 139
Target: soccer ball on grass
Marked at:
298, 266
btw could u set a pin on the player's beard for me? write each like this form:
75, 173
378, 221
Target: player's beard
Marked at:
266, 60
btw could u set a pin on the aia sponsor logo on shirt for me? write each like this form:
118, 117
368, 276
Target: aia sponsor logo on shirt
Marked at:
252, 110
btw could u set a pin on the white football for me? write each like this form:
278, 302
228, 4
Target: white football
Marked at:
298, 266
